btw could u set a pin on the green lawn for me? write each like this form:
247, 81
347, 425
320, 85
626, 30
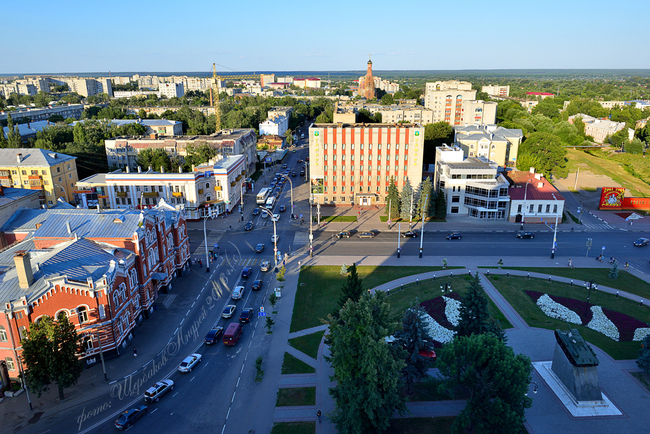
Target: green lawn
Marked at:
294, 396
428, 289
336, 218
512, 289
292, 365
625, 282
294, 428
319, 289
308, 344
421, 425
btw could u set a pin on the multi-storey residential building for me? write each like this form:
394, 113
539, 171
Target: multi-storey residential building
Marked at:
354, 163
162, 127
214, 188
497, 144
533, 199
478, 112
206, 110
171, 90
472, 186
275, 125
266, 79
87, 86
446, 99
102, 270
53, 173
28, 130
496, 90
415, 115
122, 151
386, 85
44, 113
12, 199
92, 192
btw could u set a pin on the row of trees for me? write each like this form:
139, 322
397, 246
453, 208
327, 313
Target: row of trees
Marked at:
371, 372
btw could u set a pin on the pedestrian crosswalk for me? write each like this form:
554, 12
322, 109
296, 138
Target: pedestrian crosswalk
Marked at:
598, 226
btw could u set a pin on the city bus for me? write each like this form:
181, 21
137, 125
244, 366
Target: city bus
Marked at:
262, 195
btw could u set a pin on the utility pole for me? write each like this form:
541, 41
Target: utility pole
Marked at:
311, 232
399, 234
426, 199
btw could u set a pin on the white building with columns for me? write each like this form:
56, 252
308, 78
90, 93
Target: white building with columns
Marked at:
216, 187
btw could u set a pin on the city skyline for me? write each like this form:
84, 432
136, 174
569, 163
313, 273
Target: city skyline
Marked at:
466, 35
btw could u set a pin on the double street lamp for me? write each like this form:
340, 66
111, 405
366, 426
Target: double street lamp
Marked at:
555, 229
589, 285
208, 214
291, 185
275, 236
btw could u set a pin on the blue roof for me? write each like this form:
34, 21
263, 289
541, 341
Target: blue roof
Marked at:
107, 224
13, 194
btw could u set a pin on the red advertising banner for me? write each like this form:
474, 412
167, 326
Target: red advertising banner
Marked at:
611, 198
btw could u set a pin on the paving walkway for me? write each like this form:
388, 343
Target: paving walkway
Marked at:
547, 415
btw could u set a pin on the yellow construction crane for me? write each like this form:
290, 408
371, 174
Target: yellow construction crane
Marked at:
215, 85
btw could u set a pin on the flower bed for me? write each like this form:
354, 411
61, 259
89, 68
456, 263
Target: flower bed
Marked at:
572, 304
443, 311
602, 324
627, 325
452, 310
556, 310
436, 308
439, 333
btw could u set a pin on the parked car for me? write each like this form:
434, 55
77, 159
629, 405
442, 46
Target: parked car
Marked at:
366, 235
275, 238
265, 266
155, 392
237, 293
189, 363
213, 335
410, 234
256, 211
259, 248
248, 226
246, 315
128, 418
228, 311
283, 208
257, 285
454, 236
246, 272
344, 234
523, 234
642, 242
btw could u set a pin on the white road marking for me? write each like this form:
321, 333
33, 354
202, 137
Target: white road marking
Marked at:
154, 410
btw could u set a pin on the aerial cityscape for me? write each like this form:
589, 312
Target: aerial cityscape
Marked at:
344, 233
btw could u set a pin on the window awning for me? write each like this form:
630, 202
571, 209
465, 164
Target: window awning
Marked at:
159, 276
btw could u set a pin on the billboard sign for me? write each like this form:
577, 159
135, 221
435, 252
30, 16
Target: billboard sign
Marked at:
611, 198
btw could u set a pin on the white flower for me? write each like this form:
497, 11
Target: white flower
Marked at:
438, 332
641, 333
602, 324
556, 310
452, 310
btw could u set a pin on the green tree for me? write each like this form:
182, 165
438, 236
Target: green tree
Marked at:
13, 135
414, 338
435, 135
547, 149
613, 271
387, 99
474, 314
619, 138
352, 289
367, 370
426, 199
635, 147
643, 361
407, 207
153, 158
392, 200
441, 206
199, 154
548, 107
50, 354
495, 379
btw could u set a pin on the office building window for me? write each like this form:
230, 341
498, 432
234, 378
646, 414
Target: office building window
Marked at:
548, 208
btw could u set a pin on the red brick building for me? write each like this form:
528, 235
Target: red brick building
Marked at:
367, 84
103, 270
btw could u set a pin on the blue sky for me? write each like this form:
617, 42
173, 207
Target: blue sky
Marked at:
142, 35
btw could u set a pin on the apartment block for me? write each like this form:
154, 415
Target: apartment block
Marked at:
171, 90
600, 129
477, 112
44, 113
472, 186
53, 173
446, 99
354, 163
496, 90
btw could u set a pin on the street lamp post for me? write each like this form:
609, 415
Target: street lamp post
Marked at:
555, 229
446, 288
275, 237
399, 234
290, 185
311, 232
64, 191
589, 285
205, 240
523, 214
424, 208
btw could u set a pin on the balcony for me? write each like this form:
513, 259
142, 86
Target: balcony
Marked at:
150, 194
121, 194
200, 191
232, 184
218, 188
177, 194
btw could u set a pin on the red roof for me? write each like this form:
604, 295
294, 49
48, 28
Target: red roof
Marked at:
538, 189
539, 93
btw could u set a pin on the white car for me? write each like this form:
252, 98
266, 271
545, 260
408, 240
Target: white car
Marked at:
265, 265
189, 362
275, 218
237, 293
275, 238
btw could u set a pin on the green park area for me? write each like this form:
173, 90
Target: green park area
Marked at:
293, 365
512, 288
294, 428
335, 218
308, 344
295, 396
